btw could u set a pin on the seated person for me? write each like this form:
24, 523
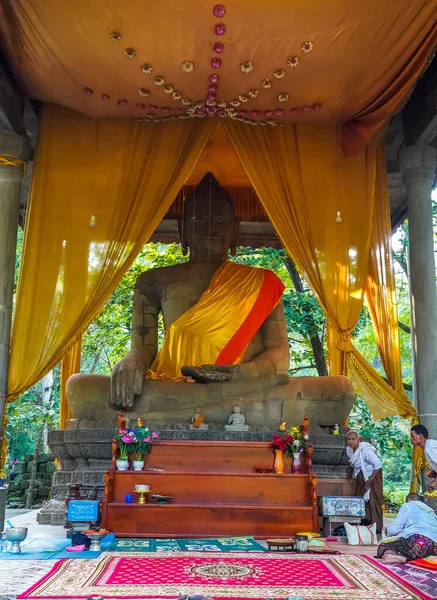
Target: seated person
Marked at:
416, 525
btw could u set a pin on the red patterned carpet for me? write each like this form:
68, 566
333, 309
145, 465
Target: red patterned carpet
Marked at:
224, 576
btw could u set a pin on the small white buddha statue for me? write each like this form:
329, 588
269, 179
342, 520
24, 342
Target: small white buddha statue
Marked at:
197, 421
237, 421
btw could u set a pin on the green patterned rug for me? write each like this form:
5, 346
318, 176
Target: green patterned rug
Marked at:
233, 544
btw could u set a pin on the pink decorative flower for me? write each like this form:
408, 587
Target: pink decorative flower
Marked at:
147, 439
219, 11
88, 91
123, 432
213, 78
153, 108
212, 89
220, 29
216, 63
211, 96
105, 97
306, 108
293, 61
278, 112
268, 113
165, 109
154, 434
317, 106
254, 113
295, 110
218, 47
307, 47
126, 439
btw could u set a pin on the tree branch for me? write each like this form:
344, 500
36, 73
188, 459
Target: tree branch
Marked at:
407, 386
107, 358
302, 368
404, 327
315, 341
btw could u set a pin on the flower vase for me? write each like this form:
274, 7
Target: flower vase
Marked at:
122, 464
296, 467
279, 462
138, 465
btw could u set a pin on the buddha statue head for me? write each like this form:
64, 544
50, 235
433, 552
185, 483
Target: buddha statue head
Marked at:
209, 227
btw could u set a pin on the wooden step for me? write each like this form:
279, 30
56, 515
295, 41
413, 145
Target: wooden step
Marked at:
178, 520
212, 456
188, 487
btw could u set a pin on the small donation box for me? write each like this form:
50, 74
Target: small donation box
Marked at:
83, 511
337, 510
341, 506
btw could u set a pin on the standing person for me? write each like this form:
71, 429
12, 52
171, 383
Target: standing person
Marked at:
367, 469
416, 526
419, 437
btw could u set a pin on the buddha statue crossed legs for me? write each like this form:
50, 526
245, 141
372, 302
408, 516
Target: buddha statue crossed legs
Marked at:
225, 328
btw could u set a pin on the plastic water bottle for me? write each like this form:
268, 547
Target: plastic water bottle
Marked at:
3, 543
336, 430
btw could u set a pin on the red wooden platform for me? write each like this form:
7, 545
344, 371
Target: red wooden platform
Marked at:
216, 492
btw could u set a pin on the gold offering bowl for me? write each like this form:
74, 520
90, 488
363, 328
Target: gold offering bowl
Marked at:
142, 491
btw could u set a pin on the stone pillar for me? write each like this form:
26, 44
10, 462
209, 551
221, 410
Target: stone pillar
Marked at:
10, 188
418, 165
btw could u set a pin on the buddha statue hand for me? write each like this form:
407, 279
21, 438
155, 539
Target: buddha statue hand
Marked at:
202, 375
127, 380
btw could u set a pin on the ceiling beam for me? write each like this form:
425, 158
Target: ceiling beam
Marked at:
420, 112
11, 102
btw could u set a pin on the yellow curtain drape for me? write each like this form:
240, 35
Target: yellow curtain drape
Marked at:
69, 366
99, 190
305, 183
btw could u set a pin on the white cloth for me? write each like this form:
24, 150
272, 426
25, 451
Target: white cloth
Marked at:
431, 453
414, 518
364, 459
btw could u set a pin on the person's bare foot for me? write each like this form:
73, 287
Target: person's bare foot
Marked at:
392, 559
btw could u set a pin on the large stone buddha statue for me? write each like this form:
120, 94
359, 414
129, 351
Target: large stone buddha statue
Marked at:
225, 339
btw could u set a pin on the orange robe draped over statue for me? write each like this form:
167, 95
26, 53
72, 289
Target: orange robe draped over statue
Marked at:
217, 330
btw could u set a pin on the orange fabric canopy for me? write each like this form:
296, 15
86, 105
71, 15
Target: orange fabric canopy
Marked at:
354, 62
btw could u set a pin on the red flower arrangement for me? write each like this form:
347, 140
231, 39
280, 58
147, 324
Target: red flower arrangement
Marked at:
280, 443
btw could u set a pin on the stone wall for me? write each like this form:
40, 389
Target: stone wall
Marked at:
19, 485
